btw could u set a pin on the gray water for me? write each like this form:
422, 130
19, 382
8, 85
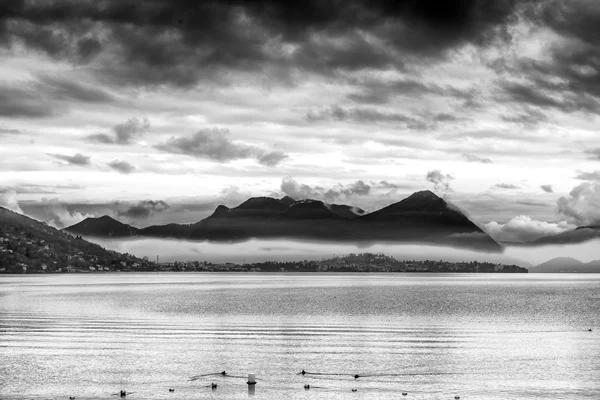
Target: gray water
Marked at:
433, 336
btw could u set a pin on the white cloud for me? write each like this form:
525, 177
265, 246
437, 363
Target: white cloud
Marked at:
582, 206
524, 229
57, 214
9, 200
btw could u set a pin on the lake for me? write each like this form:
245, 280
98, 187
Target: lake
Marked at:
433, 336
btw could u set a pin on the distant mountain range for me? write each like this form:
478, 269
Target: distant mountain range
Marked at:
566, 264
577, 235
421, 218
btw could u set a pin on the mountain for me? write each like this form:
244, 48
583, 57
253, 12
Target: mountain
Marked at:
578, 235
27, 245
566, 264
104, 226
425, 217
421, 218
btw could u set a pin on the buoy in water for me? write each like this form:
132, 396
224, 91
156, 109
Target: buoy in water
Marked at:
303, 372
223, 373
356, 376
306, 387
251, 379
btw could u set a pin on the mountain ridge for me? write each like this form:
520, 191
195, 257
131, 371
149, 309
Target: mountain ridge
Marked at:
566, 265
422, 217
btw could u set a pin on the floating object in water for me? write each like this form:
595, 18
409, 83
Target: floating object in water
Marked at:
213, 385
589, 330
354, 390
71, 397
356, 376
306, 387
251, 379
456, 397
404, 393
123, 393
171, 390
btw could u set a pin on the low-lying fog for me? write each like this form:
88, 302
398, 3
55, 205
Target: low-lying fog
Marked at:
288, 250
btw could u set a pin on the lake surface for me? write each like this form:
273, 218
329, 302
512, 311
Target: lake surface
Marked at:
433, 336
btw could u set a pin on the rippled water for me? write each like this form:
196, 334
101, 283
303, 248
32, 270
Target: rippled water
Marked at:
431, 336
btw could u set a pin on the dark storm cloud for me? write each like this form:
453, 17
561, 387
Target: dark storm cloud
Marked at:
143, 209
567, 78
213, 144
547, 188
180, 41
505, 186
77, 159
123, 134
474, 158
121, 166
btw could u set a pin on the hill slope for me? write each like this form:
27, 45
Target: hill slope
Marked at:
27, 245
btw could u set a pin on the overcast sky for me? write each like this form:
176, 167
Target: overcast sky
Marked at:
157, 111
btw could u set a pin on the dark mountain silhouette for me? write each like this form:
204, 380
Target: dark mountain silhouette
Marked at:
578, 235
27, 245
566, 264
420, 218
104, 226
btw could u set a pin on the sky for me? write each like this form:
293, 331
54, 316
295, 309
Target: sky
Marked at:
157, 111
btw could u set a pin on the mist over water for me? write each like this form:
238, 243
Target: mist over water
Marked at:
289, 250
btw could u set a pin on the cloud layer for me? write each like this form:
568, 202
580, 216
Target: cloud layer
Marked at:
524, 229
214, 144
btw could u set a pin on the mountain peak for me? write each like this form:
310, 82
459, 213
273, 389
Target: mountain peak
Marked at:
424, 200
102, 226
220, 210
287, 200
104, 218
258, 203
424, 195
